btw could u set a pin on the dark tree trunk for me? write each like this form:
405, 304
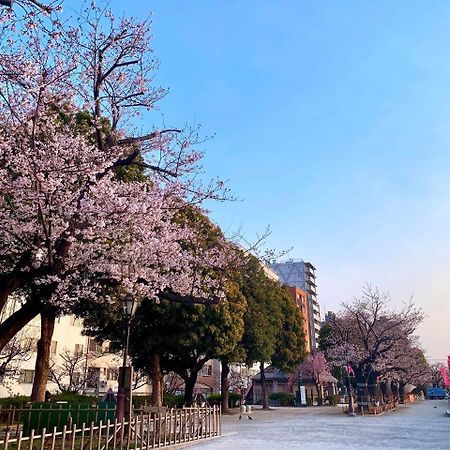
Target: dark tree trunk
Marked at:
384, 391
319, 394
394, 390
265, 400
401, 391
361, 389
224, 385
161, 383
189, 385
14, 323
156, 379
372, 386
43, 356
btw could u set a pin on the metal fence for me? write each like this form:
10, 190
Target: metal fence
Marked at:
144, 431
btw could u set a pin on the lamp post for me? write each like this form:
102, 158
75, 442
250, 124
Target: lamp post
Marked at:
351, 411
128, 308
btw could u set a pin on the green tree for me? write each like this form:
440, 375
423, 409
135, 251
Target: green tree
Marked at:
325, 334
290, 347
176, 334
263, 318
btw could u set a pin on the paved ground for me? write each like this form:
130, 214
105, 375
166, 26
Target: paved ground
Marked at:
422, 425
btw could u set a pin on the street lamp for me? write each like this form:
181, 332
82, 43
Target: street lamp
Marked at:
351, 410
129, 306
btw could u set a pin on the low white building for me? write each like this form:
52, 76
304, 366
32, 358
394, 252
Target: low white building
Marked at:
92, 368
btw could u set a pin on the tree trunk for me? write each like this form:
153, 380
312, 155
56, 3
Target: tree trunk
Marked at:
384, 391
361, 389
43, 356
319, 393
372, 386
161, 383
401, 391
224, 385
265, 400
394, 390
14, 323
156, 379
189, 385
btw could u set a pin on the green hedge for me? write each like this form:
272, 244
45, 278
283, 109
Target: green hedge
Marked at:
216, 399
72, 397
283, 398
173, 401
16, 401
332, 400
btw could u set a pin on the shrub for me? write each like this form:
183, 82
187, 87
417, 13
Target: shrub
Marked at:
214, 399
18, 401
283, 398
72, 397
332, 400
173, 401
141, 400
233, 399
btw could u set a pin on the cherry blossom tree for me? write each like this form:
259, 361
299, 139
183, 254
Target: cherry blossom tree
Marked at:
374, 340
70, 100
315, 367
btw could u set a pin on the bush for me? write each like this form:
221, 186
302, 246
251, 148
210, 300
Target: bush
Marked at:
283, 398
233, 399
332, 400
214, 399
141, 400
72, 397
173, 401
18, 401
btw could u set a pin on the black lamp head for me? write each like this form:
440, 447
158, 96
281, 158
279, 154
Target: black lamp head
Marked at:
6, 3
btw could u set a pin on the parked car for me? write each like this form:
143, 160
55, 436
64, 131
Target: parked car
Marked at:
436, 393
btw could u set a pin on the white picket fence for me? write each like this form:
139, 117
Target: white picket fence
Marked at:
144, 431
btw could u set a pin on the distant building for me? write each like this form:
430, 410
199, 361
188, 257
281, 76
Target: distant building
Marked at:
302, 274
208, 381
330, 316
300, 298
272, 274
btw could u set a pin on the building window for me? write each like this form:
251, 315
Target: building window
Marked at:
79, 349
112, 374
93, 377
206, 371
94, 346
26, 376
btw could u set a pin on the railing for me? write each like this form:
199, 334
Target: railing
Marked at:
144, 431
48, 415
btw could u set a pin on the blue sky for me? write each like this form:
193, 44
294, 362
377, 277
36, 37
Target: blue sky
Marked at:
332, 124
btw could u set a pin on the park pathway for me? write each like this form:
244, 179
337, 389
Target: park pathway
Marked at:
421, 426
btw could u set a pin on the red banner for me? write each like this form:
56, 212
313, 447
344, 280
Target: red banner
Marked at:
445, 376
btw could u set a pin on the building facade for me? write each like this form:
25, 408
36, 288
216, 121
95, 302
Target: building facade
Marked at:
302, 274
300, 298
76, 360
